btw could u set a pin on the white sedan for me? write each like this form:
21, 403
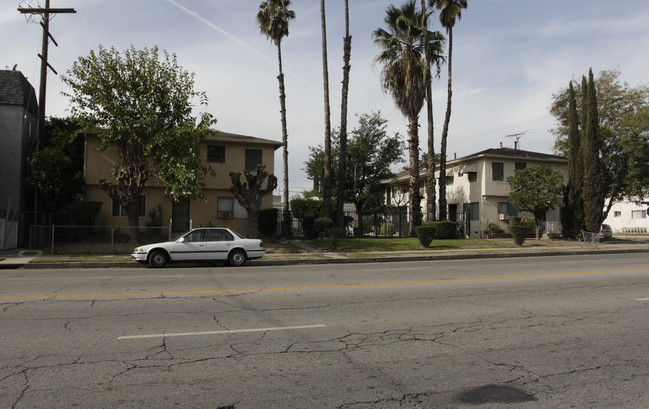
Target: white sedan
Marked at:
207, 244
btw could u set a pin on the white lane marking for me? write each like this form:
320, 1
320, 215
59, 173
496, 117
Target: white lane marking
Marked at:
642, 299
124, 277
234, 331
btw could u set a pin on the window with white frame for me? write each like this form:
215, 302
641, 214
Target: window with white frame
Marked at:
638, 214
617, 213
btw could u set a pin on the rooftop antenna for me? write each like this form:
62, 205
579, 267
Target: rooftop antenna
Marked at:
517, 137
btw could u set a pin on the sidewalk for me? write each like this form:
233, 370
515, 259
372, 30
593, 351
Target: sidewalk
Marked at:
17, 258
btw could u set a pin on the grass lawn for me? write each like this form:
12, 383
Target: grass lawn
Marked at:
405, 244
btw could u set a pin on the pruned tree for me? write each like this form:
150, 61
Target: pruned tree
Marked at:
140, 106
250, 193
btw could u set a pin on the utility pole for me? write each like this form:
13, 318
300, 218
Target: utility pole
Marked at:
45, 12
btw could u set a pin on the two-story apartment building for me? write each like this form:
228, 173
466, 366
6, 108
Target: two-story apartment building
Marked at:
477, 187
223, 152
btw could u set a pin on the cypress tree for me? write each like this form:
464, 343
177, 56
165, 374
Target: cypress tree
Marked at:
573, 213
594, 193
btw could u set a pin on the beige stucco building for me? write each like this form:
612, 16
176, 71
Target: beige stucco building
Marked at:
477, 187
223, 152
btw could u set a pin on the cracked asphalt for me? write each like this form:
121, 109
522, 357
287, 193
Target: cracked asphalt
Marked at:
554, 332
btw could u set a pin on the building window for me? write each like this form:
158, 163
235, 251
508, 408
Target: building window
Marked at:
449, 180
617, 213
507, 208
216, 153
253, 158
475, 211
520, 165
473, 176
225, 208
497, 171
119, 211
638, 214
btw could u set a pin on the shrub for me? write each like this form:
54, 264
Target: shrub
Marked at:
155, 219
388, 229
425, 234
520, 227
493, 228
267, 221
322, 226
84, 213
336, 234
443, 230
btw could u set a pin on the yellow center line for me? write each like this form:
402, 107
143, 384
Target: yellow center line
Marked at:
313, 287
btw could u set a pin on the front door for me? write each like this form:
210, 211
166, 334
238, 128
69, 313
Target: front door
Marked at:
191, 248
180, 215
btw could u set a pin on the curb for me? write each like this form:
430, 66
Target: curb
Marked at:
360, 260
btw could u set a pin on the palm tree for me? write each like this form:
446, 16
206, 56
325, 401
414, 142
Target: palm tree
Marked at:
326, 182
449, 11
273, 18
435, 44
404, 75
342, 163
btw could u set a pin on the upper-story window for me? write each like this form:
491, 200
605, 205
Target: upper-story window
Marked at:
473, 176
253, 158
216, 153
449, 180
497, 171
520, 165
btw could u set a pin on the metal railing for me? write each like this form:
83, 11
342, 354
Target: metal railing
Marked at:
60, 239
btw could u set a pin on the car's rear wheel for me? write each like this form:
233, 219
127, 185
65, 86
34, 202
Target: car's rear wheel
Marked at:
237, 258
158, 259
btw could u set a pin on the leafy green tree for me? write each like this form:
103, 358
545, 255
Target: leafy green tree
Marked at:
273, 17
623, 126
250, 194
536, 190
141, 106
56, 169
371, 155
404, 75
449, 12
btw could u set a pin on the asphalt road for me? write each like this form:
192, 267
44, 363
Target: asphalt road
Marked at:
542, 332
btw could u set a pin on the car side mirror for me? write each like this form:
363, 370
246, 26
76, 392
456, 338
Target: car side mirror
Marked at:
180, 240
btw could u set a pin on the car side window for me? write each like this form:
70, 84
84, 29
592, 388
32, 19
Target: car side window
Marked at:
215, 235
195, 236
227, 236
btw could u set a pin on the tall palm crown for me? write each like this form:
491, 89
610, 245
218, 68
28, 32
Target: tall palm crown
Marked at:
273, 18
449, 11
403, 57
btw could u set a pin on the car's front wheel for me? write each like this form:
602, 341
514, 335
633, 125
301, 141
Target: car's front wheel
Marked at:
237, 258
158, 259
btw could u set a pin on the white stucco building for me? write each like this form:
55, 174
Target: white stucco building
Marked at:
477, 187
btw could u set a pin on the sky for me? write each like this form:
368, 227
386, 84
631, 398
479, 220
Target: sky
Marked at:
509, 58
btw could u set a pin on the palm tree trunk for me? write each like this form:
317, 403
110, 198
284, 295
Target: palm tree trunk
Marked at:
447, 119
342, 160
430, 165
286, 213
414, 198
326, 183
